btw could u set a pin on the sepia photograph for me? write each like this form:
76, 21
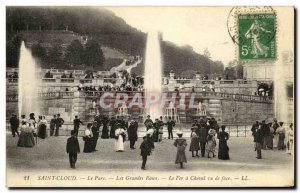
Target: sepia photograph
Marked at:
150, 97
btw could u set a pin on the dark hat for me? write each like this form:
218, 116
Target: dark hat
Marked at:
73, 132
223, 126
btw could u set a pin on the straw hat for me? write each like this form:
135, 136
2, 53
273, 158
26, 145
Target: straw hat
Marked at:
179, 132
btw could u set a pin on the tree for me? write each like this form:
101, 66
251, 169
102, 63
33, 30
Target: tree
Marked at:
74, 53
234, 70
206, 53
229, 73
55, 55
239, 71
93, 55
13, 51
38, 51
217, 67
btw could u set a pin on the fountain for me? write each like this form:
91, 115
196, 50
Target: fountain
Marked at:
28, 101
122, 112
171, 111
280, 89
153, 73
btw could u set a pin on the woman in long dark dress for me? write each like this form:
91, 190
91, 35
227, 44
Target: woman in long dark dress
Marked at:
156, 128
88, 140
105, 128
223, 136
181, 144
194, 146
113, 124
42, 133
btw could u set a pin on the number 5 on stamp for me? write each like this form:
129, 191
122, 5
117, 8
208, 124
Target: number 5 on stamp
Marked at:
257, 36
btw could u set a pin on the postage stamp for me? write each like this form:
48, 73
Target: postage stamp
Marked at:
257, 36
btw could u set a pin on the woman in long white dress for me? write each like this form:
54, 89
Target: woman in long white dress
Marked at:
290, 140
119, 139
281, 132
275, 125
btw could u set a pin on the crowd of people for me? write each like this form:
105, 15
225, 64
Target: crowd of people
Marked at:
30, 128
108, 88
267, 136
204, 135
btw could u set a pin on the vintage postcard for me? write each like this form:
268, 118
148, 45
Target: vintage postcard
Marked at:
150, 97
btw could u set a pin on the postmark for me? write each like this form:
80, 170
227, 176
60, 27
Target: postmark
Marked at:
253, 30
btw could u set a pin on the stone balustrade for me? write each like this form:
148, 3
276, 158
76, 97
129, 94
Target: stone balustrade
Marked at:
201, 95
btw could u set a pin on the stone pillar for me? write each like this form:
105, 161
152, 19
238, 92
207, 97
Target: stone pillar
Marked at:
217, 86
198, 76
78, 107
215, 109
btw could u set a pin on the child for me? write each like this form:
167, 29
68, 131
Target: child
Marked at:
73, 148
145, 151
194, 142
211, 143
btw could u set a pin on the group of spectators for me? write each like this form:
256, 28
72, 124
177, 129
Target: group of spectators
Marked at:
12, 77
203, 138
270, 135
108, 88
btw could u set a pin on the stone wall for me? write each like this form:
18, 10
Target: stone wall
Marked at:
246, 112
224, 110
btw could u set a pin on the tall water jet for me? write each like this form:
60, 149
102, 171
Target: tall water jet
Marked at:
280, 88
153, 73
28, 83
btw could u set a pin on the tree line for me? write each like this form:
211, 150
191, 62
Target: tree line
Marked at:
105, 28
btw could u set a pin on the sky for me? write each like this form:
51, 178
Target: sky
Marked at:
194, 26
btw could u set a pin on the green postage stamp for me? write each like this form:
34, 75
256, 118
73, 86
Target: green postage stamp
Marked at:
257, 36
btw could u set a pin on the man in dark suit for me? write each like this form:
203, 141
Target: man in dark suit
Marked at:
145, 152
59, 123
254, 129
202, 132
95, 131
72, 149
170, 126
132, 133
14, 123
52, 125
77, 123
266, 132
113, 124
259, 140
